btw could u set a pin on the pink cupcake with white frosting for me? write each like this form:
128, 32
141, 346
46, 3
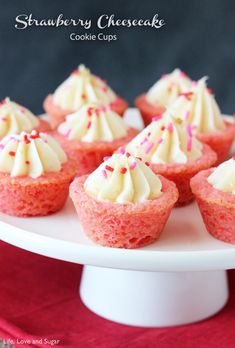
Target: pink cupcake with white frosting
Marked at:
198, 108
162, 94
91, 133
171, 149
215, 194
15, 118
123, 204
80, 88
35, 174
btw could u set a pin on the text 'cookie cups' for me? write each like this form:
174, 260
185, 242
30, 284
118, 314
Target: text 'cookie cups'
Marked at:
198, 108
214, 190
15, 118
123, 204
90, 134
35, 175
172, 151
162, 94
80, 88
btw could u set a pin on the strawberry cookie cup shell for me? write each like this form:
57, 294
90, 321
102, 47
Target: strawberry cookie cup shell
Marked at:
89, 155
181, 174
24, 196
57, 115
148, 110
44, 126
220, 141
217, 207
127, 225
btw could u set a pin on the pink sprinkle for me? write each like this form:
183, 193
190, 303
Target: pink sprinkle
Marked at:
170, 127
149, 147
1, 146
189, 144
103, 108
68, 133
45, 141
90, 111
122, 150
156, 118
133, 165
149, 133
160, 140
143, 141
189, 130
89, 125
4, 119
104, 173
187, 115
106, 158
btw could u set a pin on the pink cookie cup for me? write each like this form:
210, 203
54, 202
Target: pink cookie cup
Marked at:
119, 225
44, 126
89, 155
217, 207
220, 141
148, 110
25, 196
181, 174
57, 115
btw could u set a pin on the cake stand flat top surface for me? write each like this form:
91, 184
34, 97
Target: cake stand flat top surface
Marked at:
184, 244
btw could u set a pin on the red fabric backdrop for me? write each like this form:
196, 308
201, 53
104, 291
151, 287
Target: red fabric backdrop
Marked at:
39, 300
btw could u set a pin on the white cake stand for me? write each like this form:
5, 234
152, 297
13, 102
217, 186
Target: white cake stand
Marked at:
179, 279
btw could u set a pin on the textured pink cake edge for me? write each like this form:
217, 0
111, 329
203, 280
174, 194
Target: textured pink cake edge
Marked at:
181, 174
217, 207
220, 141
25, 197
123, 225
147, 110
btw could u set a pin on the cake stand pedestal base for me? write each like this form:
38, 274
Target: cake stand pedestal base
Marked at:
153, 299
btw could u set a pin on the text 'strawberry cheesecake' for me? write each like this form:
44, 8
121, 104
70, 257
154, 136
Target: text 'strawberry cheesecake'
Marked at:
172, 151
162, 94
80, 88
123, 204
215, 194
35, 174
15, 118
90, 134
198, 107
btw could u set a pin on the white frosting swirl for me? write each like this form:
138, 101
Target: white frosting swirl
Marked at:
123, 179
166, 90
199, 108
82, 87
223, 177
32, 154
15, 118
93, 122
166, 140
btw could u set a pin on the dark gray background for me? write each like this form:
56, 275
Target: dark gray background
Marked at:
198, 37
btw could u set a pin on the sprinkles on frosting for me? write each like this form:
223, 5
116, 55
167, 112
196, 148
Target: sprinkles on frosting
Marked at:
187, 95
123, 170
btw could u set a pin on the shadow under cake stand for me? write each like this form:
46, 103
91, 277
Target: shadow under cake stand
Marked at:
178, 280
